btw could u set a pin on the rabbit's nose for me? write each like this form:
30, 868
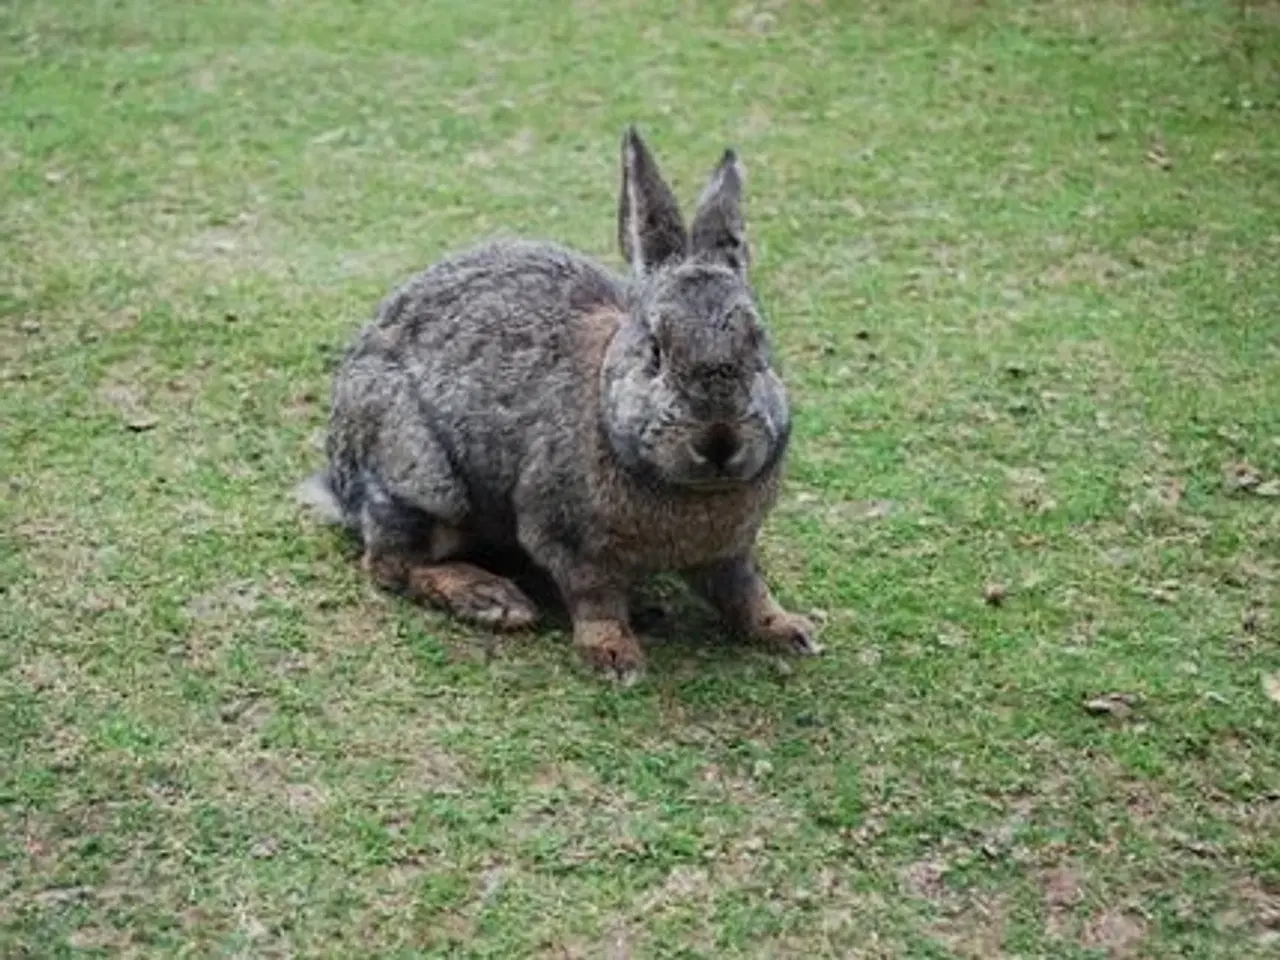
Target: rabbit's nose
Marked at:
717, 445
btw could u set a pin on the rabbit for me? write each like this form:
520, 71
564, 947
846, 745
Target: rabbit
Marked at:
520, 395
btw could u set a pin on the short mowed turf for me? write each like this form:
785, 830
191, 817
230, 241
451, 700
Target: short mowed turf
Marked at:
1022, 267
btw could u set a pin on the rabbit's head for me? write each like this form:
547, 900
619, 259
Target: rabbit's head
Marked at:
690, 398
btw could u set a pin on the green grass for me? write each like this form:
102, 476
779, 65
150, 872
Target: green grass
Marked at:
1021, 265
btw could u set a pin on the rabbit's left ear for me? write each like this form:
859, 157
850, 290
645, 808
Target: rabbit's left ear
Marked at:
718, 231
651, 231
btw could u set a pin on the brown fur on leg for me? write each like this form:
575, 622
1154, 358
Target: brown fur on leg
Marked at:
740, 595
464, 590
610, 647
471, 593
601, 631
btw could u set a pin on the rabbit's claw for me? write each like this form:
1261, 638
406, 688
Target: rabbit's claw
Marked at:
611, 649
793, 633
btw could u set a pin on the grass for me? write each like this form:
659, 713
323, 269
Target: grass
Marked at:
1021, 264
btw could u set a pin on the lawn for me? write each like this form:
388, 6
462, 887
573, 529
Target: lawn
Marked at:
1022, 267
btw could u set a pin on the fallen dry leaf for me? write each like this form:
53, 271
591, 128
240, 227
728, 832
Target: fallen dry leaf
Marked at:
142, 423
1269, 489
872, 509
1113, 704
1158, 157
1271, 686
1240, 476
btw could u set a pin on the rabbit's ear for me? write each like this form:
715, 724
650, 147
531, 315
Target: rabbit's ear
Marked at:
650, 228
718, 230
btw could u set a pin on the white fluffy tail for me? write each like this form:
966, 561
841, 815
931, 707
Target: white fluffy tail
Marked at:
316, 493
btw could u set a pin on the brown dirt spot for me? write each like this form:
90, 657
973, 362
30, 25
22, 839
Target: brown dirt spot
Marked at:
1117, 933
14, 342
976, 931
681, 885
1028, 489
302, 405
98, 938
757, 123
223, 604
1063, 889
305, 798
41, 531
49, 673
428, 767
1085, 267
564, 776
1262, 904
924, 879
263, 779
618, 945
131, 404
232, 249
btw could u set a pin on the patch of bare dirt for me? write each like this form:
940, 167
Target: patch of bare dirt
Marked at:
975, 930
1063, 890
15, 340
303, 405
682, 884
1258, 910
42, 531
925, 879
46, 672
225, 603
64, 556
99, 938
131, 404
254, 778
1087, 267
1115, 932
1029, 489
242, 247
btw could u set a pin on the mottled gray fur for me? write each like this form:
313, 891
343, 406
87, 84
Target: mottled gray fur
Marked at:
520, 395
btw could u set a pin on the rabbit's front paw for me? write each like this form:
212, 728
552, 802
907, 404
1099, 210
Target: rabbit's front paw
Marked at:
611, 648
790, 632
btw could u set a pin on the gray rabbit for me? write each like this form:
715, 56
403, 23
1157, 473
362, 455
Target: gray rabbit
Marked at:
519, 395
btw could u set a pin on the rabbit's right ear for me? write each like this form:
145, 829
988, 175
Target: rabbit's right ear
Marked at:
718, 233
651, 230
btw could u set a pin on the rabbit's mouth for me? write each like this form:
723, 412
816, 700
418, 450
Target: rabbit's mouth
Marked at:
702, 458
724, 455
716, 485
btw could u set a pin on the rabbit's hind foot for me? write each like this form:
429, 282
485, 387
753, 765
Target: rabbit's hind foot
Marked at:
464, 590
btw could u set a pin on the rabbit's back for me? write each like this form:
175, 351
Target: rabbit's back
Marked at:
466, 369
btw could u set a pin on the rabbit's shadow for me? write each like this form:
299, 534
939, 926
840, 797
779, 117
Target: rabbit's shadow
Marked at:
663, 609
664, 612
